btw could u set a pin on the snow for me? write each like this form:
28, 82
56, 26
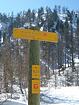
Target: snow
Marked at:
61, 96
62, 17
76, 60
3, 97
0, 26
51, 96
12, 103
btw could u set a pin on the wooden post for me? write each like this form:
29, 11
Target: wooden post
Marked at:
33, 98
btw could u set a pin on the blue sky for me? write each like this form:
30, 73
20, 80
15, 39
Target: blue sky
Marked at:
8, 6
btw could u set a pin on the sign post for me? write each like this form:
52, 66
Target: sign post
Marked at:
34, 79
34, 59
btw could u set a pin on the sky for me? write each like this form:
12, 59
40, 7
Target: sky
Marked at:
7, 6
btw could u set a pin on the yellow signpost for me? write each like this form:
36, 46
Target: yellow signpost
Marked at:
35, 35
34, 67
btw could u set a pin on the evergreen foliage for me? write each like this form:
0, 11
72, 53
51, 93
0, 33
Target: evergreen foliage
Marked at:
55, 56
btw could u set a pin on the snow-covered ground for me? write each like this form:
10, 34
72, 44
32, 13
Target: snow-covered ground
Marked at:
60, 96
51, 96
48, 96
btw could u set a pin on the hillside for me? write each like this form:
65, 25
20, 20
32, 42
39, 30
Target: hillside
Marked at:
59, 62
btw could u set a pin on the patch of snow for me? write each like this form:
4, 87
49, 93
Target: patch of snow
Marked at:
0, 26
41, 29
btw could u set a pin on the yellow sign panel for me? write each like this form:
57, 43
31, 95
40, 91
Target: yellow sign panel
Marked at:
36, 86
35, 35
36, 71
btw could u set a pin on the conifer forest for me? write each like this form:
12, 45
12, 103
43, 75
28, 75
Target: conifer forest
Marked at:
56, 59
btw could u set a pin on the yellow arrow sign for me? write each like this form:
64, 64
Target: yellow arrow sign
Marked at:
35, 35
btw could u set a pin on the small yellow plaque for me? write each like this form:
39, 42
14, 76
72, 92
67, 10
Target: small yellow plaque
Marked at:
36, 71
36, 86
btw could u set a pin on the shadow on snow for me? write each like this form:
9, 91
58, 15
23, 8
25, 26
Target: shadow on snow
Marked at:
48, 99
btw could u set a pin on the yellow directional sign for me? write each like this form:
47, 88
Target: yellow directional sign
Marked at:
35, 35
36, 86
36, 71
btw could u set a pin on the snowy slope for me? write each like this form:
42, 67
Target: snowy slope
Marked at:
51, 96
61, 96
